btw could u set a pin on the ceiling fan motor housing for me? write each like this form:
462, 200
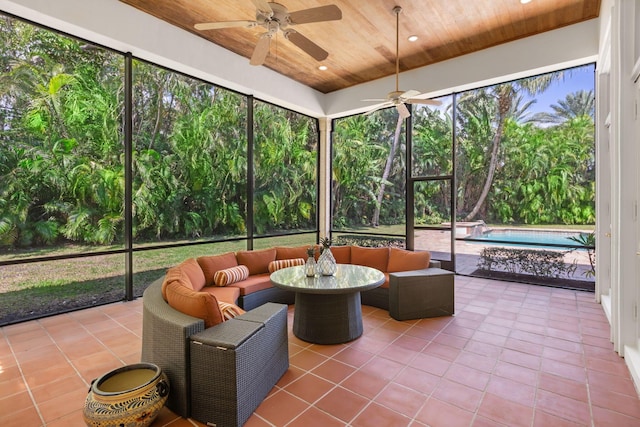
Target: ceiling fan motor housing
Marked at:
278, 19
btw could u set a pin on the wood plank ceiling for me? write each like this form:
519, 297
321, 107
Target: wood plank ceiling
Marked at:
362, 44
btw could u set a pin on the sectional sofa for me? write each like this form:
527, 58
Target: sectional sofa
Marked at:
221, 310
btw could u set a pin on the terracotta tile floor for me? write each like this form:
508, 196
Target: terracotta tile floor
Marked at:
514, 355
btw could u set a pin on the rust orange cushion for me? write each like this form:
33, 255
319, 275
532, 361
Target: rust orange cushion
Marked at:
285, 252
403, 260
254, 283
342, 254
377, 258
173, 274
197, 304
256, 261
284, 263
211, 264
193, 270
230, 275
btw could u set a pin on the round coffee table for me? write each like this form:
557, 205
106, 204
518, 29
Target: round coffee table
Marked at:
328, 309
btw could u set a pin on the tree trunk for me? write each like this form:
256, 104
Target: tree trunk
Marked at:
504, 105
375, 220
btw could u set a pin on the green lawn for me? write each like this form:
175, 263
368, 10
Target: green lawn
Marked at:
41, 288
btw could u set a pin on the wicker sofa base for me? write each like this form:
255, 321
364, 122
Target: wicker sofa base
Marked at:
417, 295
273, 294
241, 358
235, 364
219, 375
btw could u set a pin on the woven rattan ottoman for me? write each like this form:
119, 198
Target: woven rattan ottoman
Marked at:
235, 364
416, 295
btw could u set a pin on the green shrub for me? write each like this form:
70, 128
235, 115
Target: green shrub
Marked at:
536, 262
369, 241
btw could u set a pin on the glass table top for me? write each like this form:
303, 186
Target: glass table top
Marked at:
348, 278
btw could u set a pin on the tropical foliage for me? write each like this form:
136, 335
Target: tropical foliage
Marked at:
61, 173
62, 163
368, 156
511, 166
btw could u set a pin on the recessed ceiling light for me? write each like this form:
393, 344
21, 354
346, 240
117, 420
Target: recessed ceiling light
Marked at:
412, 38
525, 1
322, 67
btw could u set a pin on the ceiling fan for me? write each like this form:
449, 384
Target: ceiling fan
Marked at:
274, 17
399, 98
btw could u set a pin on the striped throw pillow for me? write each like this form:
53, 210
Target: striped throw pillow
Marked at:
230, 275
229, 311
283, 263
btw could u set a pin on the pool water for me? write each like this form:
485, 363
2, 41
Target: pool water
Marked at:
548, 239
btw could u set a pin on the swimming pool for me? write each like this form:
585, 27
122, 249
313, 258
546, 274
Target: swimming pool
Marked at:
522, 237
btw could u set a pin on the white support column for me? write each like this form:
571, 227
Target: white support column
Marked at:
618, 155
624, 152
324, 202
604, 193
622, 125
614, 146
632, 352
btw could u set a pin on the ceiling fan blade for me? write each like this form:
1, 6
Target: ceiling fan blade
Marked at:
374, 100
263, 7
423, 101
261, 50
316, 14
225, 24
379, 107
402, 110
312, 49
410, 94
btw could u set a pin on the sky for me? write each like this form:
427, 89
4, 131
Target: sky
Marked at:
575, 79
580, 78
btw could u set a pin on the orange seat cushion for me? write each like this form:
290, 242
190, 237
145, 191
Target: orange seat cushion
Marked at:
377, 258
404, 260
212, 263
197, 304
226, 293
193, 270
254, 283
256, 261
285, 252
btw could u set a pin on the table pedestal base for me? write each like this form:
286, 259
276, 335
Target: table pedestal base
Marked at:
327, 318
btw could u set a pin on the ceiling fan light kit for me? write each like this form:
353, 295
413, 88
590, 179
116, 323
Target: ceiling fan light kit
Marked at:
273, 17
399, 98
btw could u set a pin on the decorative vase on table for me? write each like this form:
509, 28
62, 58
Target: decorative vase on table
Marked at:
326, 262
310, 267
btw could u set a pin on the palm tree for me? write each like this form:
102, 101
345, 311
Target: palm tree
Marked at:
504, 97
375, 220
576, 104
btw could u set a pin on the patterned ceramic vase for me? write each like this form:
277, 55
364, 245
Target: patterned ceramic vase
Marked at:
327, 263
131, 396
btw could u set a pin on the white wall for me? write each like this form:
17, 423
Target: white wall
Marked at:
126, 29
620, 51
